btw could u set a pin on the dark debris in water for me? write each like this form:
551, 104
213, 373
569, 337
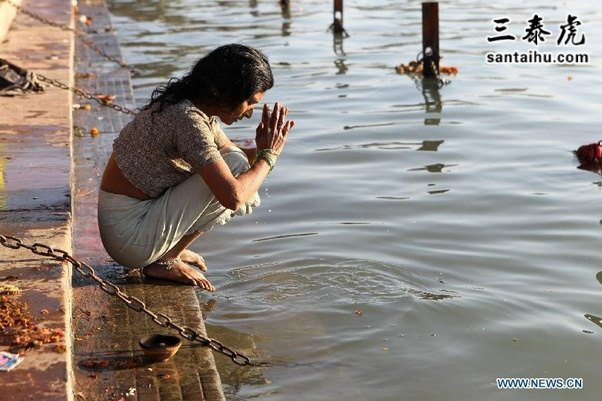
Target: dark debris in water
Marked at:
429, 296
594, 319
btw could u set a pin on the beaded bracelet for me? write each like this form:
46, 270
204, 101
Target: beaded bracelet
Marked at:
267, 155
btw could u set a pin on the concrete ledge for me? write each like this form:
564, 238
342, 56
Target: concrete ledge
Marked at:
35, 192
7, 14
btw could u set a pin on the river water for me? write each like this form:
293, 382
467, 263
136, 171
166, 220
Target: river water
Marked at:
413, 243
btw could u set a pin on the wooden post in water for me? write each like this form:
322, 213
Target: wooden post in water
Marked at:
285, 5
430, 38
337, 25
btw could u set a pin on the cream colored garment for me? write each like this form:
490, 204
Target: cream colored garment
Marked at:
136, 233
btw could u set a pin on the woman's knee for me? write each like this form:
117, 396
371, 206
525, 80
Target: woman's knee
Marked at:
230, 149
235, 159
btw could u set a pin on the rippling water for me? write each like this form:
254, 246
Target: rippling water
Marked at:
412, 244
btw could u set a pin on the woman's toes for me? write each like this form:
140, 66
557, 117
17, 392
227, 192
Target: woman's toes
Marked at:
200, 283
208, 286
203, 283
179, 272
194, 259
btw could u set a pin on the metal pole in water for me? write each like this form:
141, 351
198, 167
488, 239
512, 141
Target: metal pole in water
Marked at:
430, 38
337, 25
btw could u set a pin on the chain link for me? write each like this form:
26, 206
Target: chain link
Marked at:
81, 35
101, 100
39, 18
90, 43
167, 319
131, 302
420, 57
85, 94
6, 241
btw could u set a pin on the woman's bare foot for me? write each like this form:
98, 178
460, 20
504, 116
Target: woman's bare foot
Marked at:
194, 259
179, 272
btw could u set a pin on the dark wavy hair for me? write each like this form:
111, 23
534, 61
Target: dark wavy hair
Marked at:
227, 76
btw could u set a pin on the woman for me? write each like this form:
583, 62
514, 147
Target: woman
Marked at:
174, 174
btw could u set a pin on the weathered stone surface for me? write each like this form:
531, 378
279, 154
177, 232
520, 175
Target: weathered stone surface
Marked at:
103, 326
35, 167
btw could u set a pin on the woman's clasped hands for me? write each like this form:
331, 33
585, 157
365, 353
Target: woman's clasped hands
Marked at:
272, 131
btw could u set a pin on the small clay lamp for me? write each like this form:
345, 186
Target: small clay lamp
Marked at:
160, 347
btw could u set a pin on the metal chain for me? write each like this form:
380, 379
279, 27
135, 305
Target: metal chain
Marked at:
90, 43
39, 18
131, 302
85, 94
420, 59
81, 35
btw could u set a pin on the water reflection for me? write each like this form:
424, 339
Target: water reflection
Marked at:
430, 146
594, 319
433, 168
431, 296
285, 6
432, 101
284, 236
341, 66
597, 320
440, 191
599, 277
208, 307
337, 48
153, 10
595, 168
234, 377
589, 157
253, 7
424, 146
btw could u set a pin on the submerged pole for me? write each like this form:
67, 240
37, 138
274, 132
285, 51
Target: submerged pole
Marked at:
430, 38
337, 24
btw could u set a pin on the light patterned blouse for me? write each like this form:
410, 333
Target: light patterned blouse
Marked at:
156, 151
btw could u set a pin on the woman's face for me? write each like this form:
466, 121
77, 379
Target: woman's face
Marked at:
245, 109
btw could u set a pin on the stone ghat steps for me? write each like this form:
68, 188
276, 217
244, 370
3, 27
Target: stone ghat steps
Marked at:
104, 328
49, 182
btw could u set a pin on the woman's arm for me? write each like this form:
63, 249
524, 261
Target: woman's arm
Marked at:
232, 192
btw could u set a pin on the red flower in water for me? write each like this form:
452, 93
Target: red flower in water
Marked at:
590, 154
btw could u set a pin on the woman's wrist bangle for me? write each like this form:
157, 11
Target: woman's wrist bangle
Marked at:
267, 155
269, 151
